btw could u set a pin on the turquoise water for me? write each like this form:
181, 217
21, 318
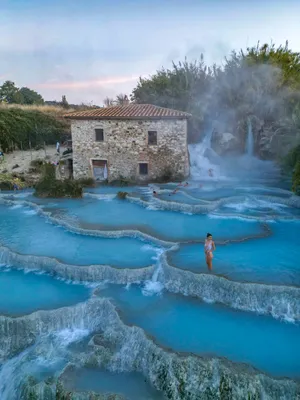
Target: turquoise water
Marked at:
23, 231
262, 249
23, 293
188, 325
268, 260
166, 225
133, 386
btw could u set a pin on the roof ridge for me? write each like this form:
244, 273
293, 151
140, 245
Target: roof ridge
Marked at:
128, 111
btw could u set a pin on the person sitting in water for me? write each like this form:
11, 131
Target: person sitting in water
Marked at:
186, 184
154, 193
209, 247
210, 172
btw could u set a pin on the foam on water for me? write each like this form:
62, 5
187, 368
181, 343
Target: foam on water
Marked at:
45, 358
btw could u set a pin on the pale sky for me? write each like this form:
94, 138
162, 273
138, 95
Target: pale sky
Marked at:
90, 49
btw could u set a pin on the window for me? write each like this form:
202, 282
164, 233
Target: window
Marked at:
143, 168
99, 135
152, 138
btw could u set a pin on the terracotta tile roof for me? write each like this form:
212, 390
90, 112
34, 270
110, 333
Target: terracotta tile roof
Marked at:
130, 111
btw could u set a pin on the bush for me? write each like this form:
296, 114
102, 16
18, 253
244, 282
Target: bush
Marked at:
7, 181
36, 166
290, 160
49, 186
39, 147
48, 170
296, 179
122, 195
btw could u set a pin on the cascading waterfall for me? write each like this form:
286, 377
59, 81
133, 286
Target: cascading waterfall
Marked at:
250, 140
203, 159
236, 167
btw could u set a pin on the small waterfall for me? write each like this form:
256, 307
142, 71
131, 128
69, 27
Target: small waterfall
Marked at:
203, 158
250, 140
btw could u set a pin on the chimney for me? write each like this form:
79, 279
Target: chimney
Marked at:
126, 100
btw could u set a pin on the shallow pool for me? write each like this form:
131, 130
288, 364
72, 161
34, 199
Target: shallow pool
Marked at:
25, 292
133, 386
256, 229
188, 325
23, 231
264, 260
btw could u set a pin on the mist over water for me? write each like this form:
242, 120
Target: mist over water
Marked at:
207, 165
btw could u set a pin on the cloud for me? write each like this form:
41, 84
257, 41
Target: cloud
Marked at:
90, 52
87, 84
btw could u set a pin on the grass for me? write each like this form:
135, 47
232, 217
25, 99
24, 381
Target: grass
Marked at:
47, 109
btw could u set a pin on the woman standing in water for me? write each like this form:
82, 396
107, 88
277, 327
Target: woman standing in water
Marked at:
209, 247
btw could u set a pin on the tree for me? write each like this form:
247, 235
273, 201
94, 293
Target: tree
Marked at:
108, 102
30, 96
9, 93
64, 102
122, 100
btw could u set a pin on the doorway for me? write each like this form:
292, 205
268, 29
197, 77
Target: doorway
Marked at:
99, 170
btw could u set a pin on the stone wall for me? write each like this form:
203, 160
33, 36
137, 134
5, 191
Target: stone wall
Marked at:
125, 145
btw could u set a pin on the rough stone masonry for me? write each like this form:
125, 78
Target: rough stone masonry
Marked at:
126, 145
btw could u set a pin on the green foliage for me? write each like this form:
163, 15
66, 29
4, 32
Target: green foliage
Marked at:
19, 128
49, 186
37, 164
296, 179
264, 81
64, 102
291, 159
30, 96
10, 94
122, 195
7, 181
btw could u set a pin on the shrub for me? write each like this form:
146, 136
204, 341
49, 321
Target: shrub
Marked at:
122, 195
290, 160
7, 181
49, 186
36, 166
296, 179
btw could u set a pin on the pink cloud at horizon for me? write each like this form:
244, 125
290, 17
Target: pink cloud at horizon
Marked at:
87, 84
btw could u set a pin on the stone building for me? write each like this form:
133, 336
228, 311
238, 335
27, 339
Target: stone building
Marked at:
140, 142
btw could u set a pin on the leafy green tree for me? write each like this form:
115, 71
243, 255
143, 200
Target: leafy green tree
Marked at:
9, 93
30, 96
64, 102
